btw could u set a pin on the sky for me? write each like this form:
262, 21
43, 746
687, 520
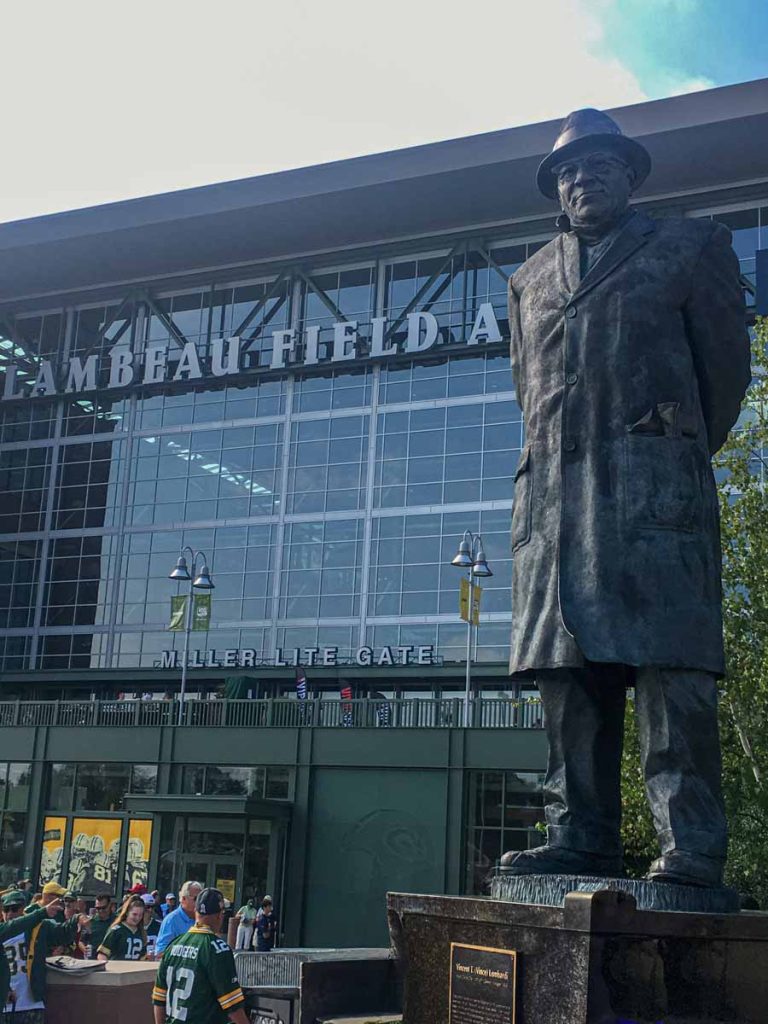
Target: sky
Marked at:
103, 102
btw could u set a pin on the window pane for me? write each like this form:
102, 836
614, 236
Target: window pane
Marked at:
278, 784
101, 787
192, 780
61, 781
18, 787
11, 847
144, 778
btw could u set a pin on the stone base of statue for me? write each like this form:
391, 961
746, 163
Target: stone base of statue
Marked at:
592, 957
551, 890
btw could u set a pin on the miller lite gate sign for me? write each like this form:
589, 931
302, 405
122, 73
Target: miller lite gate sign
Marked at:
157, 363
326, 657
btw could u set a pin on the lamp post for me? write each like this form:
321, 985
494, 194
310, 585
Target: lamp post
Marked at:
201, 579
471, 557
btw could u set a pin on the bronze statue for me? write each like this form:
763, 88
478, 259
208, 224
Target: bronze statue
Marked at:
630, 356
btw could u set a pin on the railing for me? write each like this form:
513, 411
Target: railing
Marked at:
281, 713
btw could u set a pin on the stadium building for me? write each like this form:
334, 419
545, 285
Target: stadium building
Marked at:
304, 378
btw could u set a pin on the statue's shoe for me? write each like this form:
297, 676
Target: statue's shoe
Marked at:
685, 868
558, 860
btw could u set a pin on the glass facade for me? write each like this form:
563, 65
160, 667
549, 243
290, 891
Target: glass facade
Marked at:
328, 494
328, 498
504, 811
14, 795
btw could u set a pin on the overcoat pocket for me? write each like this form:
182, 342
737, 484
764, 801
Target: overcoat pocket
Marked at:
663, 482
521, 507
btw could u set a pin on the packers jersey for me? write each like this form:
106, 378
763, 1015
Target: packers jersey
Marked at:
121, 943
196, 981
16, 951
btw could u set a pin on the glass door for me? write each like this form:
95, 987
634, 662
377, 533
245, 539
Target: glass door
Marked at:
227, 876
223, 873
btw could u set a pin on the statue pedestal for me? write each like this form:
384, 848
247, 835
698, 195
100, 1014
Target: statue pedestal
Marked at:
596, 959
551, 890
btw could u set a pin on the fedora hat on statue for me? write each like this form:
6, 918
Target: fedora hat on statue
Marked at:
586, 130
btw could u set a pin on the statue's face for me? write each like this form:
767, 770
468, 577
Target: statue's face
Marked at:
594, 188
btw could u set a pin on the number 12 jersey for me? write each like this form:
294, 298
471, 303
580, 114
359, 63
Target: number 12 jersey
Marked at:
196, 980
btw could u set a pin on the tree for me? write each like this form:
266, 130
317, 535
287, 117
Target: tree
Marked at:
743, 472
741, 469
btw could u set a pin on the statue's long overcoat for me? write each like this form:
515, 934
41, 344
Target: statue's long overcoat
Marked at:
628, 379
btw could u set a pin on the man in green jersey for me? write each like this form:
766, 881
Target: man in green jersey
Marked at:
196, 980
102, 920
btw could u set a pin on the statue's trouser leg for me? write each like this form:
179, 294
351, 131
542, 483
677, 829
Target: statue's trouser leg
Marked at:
584, 721
680, 752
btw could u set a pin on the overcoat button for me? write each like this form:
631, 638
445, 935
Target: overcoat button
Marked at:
570, 312
572, 378
570, 445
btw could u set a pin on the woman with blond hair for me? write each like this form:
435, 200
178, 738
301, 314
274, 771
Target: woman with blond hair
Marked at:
126, 939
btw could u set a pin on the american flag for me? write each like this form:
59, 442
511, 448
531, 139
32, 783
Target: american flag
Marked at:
383, 710
346, 695
301, 683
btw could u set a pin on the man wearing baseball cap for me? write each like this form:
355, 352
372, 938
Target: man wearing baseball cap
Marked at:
169, 904
51, 891
196, 978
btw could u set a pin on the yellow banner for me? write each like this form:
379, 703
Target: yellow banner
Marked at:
227, 888
464, 600
93, 855
137, 857
52, 850
469, 601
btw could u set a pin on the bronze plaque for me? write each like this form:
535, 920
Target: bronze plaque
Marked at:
482, 985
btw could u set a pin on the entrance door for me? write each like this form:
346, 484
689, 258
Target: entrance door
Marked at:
223, 873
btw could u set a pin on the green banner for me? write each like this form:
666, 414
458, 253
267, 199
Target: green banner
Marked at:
178, 613
201, 612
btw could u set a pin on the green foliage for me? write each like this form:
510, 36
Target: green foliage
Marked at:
742, 472
744, 702
638, 835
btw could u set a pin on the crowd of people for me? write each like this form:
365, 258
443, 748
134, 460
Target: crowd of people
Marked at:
55, 922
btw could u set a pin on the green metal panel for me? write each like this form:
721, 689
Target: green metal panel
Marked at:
17, 744
513, 749
235, 746
139, 746
381, 747
370, 832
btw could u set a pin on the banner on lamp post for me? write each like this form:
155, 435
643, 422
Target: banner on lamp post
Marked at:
477, 593
178, 613
469, 602
201, 612
464, 599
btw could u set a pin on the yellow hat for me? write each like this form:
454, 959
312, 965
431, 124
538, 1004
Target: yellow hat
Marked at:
53, 888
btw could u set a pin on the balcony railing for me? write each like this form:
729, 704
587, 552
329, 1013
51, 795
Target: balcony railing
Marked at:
370, 713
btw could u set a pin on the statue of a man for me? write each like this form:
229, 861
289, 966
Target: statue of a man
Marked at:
631, 357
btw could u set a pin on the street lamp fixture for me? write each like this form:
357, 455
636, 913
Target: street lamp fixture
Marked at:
199, 579
470, 556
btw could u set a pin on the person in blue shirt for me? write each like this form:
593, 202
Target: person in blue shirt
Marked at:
170, 904
266, 926
178, 921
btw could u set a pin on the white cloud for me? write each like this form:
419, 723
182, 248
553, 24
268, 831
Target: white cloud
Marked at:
671, 85
105, 105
